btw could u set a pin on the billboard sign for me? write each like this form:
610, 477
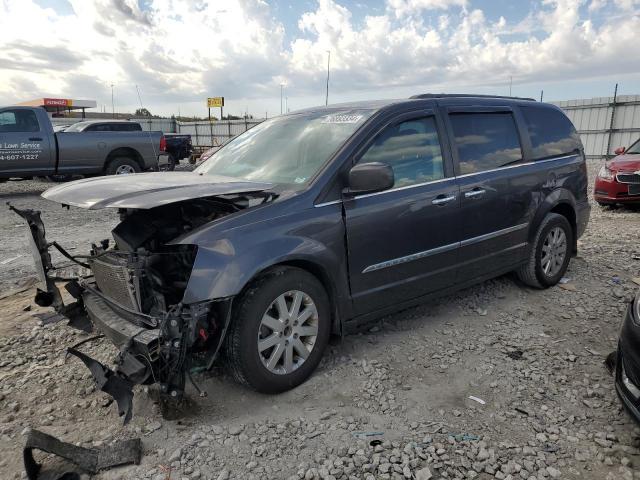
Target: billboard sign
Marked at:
215, 102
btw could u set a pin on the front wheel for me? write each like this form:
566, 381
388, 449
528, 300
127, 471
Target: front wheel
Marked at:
550, 253
279, 330
122, 166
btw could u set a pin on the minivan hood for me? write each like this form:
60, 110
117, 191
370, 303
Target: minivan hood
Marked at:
147, 190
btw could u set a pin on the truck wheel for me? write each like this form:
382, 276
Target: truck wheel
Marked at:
122, 166
550, 253
279, 331
170, 165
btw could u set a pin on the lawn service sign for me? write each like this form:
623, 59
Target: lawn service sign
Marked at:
12, 151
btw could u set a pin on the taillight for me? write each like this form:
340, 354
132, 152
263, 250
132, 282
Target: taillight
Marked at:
163, 144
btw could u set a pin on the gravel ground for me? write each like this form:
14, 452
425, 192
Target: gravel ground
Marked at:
393, 402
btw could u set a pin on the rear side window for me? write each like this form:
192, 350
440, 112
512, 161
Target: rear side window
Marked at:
551, 132
411, 149
100, 127
17, 121
485, 141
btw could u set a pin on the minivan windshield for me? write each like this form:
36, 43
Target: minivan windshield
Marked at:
288, 150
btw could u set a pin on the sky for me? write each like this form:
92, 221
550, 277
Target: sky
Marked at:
176, 53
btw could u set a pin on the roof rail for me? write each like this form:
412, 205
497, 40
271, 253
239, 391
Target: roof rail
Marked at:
466, 95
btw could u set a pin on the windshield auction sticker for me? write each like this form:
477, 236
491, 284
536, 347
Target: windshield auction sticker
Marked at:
342, 118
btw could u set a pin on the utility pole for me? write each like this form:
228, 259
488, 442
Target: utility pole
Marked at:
613, 115
541, 94
286, 104
113, 110
326, 101
281, 92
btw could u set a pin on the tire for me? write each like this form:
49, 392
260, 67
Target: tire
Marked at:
532, 273
245, 362
121, 166
170, 166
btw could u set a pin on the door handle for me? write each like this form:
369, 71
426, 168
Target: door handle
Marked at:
474, 193
35, 139
442, 200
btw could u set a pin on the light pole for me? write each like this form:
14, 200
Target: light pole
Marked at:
326, 101
281, 92
113, 110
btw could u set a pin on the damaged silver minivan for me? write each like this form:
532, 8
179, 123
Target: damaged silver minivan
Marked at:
314, 223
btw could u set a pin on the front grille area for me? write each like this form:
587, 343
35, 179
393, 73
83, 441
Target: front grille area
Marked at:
113, 278
628, 178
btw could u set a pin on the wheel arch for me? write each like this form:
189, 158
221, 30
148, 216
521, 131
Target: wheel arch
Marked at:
562, 202
321, 274
128, 152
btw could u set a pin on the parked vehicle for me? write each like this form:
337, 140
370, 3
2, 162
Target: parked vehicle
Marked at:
618, 180
29, 147
178, 147
207, 154
627, 360
317, 222
105, 126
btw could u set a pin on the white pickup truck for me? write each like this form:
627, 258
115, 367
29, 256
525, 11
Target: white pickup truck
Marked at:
29, 147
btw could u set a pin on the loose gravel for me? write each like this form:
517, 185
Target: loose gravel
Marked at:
497, 381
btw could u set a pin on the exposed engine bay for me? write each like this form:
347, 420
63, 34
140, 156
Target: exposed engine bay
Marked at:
132, 292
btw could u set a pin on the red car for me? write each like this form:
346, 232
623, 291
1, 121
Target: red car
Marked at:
618, 180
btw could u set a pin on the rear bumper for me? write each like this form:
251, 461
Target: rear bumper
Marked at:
583, 211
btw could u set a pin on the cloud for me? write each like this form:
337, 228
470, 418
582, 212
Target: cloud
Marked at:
401, 8
181, 51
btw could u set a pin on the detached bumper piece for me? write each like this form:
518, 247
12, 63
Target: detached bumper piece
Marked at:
110, 382
89, 459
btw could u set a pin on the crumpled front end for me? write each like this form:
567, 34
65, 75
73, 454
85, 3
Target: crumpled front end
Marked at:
132, 293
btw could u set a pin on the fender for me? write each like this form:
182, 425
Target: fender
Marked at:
558, 196
228, 260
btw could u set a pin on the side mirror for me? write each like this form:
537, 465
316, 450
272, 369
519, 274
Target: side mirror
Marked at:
619, 150
370, 177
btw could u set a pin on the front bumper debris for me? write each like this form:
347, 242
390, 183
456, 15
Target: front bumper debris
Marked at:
155, 346
89, 459
110, 382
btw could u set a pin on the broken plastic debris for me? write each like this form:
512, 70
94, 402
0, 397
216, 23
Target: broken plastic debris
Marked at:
476, 399
616, 279
365, 435
9, 260
90, 459
564, 280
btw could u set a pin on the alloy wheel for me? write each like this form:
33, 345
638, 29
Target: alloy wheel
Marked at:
554, 251
288, 332
125, 170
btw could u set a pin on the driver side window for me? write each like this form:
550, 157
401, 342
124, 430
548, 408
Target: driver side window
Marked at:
412, 149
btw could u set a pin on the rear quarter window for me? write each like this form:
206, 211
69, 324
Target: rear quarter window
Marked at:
552, 133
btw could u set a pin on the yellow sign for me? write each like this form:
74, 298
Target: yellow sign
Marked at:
215, 102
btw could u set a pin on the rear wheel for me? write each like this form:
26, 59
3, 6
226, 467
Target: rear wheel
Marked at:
550, 253
279, 331
122, 166
170, 165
